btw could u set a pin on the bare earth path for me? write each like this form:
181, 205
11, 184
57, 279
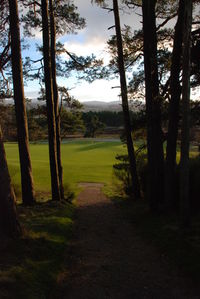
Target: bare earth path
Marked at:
109, 260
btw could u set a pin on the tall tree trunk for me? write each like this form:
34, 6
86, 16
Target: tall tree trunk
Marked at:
127, 122
175, 91
55, 94
185, 138
153, 108
28, 195
9, 224
50, 104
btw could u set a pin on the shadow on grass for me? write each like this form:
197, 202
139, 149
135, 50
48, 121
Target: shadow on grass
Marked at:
96, 145
182, 248
30, 265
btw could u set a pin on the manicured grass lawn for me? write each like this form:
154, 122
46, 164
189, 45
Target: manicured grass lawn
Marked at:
83, 161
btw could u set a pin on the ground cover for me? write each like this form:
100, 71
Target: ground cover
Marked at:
30, 265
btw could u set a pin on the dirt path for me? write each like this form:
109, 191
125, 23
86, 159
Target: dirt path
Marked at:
110, 261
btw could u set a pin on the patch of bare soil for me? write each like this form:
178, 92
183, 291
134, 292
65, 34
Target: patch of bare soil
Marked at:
108, 259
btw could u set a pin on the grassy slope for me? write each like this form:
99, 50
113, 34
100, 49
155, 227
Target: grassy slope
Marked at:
30, 265
83, 161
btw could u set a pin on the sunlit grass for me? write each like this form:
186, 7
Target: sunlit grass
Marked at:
83, 161
30, 265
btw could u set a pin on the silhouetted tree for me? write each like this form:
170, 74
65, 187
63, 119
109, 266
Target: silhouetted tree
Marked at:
153, 107
28, 195
185, 128
50, 103
124, 95
174, 103
9, 223
55, 95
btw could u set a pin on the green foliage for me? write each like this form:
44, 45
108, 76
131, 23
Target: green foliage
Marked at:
30, 265
122, 173
93, 126
122, 170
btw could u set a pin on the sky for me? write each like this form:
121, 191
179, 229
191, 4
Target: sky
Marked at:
91, 39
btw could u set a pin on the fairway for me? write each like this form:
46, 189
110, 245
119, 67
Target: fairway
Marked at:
83, 161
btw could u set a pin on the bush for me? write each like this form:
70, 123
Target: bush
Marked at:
122, 172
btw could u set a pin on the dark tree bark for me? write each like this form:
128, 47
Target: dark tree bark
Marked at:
50, 104
175, 91
28, 195
127, 122
185, 129
9, 223
55, 94
153, 107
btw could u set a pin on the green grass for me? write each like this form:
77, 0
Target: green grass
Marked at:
30, 266
83, 161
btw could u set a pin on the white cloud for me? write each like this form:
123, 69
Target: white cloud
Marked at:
97, 91
92, 39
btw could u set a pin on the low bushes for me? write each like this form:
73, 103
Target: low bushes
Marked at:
122, 173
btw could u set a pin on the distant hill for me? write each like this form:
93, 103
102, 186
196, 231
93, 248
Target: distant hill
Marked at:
87, 106
108, 106
101, 106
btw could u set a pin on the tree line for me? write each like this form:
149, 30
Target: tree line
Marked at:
167, 63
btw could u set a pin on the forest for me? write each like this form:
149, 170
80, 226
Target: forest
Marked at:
65, 173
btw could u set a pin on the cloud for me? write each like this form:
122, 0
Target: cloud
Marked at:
99, 91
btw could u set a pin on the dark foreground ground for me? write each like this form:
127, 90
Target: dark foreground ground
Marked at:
108, 259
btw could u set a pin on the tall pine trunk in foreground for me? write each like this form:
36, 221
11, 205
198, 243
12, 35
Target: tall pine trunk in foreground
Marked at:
28, 195
127, 122
153, 108
175, 92
50, 104
185, 128
55, 94
9, 224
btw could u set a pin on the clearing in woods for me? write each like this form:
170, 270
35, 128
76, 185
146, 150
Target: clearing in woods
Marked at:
109, 259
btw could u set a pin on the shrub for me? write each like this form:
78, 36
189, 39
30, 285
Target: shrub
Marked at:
122, 170
122, 173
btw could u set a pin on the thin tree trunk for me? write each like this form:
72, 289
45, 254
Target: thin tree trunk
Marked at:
153, 108
28, 195
127, 122
55, 93
175, 91
9, 223
185, 133
50, 104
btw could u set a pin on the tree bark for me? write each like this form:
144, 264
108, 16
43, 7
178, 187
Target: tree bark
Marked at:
50, 104
175, 91
153, 108
185, 132
127, 122
28, 194
9, 223
55, 94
